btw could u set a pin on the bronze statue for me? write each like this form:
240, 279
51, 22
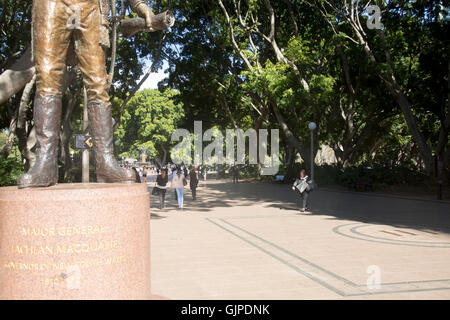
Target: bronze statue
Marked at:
55, 22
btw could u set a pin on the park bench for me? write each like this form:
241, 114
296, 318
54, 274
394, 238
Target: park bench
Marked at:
278, 178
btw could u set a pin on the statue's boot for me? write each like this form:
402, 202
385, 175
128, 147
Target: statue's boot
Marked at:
47, 122
101, 129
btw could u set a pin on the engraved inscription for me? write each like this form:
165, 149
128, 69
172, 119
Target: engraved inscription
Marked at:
70, 249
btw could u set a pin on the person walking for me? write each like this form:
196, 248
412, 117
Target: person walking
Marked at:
161, 185
178, 183
144, 174
186, 173
205, 169
235, 174
174, 173
302, 185
193, 182
141, 175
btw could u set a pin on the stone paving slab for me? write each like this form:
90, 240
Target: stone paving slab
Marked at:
248, 241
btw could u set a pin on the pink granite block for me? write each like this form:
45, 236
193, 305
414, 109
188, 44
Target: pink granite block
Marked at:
75, 241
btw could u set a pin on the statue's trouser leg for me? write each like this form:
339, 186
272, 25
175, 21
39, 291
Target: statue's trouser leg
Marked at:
51, 40
91, 57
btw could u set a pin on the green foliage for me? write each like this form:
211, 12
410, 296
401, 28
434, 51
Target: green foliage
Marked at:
10, 169
14, 16
381, 177
357, 115
148, 122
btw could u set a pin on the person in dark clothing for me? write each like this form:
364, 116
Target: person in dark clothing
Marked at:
161, 185
193, 182
235, 174
302, 185
144, 174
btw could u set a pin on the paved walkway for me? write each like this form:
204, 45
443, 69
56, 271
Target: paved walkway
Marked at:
248, 241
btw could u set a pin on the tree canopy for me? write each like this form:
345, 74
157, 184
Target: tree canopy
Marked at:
379, 96
148, 123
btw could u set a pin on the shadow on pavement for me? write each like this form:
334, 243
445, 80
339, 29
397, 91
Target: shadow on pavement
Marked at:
358, 207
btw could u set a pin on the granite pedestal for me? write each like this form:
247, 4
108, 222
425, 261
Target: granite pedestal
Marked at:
75, 241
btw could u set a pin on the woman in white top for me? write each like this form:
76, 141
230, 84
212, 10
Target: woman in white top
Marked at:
178, 183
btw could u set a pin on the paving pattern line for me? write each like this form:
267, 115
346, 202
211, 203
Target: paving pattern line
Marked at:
353, 233
290, 265
341, 286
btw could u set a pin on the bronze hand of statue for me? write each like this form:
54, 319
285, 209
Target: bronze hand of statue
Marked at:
142, 9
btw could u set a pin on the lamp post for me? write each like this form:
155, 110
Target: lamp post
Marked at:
312, 126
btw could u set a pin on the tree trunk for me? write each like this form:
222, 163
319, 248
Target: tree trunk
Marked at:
15, 78
28, 154
411, 122
292, 140
18, 117
11, 137
164, 158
